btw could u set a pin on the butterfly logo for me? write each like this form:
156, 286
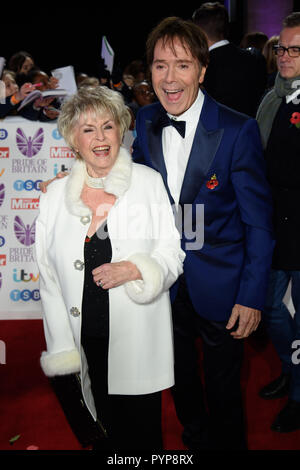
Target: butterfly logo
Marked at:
2, 193
24, 233
30, 146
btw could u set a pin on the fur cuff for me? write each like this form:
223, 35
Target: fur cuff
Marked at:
62, 363
151, 286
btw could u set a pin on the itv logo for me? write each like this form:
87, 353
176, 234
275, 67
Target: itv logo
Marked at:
23, 276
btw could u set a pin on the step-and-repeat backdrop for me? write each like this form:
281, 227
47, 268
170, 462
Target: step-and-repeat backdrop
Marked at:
30, 152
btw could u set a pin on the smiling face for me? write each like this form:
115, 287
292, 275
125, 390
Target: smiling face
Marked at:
97, 139
289, 67
176, 76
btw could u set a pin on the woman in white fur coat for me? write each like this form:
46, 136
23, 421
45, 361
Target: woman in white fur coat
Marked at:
108, 252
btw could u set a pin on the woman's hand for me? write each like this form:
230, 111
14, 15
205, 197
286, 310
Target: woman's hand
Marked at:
53, 83
43, 102
111, 275
51, 113
24, 91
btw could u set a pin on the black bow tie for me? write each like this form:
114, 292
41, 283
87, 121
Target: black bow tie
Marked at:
179, 125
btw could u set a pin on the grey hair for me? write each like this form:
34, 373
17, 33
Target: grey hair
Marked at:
97, 100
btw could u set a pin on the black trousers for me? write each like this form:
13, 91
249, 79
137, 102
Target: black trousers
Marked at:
133, 422
211, 414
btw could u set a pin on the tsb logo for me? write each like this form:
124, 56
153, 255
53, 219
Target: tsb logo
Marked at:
4, 152
3, 134
25, 295
27, 185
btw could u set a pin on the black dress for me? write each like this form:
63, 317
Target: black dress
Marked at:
95, 302
131, 421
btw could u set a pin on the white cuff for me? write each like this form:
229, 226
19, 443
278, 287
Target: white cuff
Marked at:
62, 363
145, 290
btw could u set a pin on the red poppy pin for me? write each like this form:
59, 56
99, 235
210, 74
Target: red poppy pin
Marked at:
295, 119
213, 182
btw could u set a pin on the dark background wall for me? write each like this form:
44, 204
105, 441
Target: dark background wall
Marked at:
57, 35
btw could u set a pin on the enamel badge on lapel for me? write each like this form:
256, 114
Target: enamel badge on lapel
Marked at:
213, 182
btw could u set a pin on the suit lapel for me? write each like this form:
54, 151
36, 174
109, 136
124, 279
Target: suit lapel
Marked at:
154, 134
206, 143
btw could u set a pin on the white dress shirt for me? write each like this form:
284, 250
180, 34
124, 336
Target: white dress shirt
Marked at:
223, 42
177, 150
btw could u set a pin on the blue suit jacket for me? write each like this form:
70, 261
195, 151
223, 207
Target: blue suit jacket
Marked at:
234, 262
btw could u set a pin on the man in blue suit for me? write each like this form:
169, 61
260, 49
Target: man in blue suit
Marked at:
209, 157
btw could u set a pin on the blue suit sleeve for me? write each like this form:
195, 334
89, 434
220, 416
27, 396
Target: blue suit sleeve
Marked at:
137, 152
255, 203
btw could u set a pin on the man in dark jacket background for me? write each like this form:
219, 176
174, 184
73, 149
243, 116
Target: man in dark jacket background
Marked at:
234, 76
279, 122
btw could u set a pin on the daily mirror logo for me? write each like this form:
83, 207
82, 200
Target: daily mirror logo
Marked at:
61, 152
18, 203
4, 152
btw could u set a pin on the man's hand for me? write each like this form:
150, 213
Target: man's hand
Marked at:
44, 184
248, 321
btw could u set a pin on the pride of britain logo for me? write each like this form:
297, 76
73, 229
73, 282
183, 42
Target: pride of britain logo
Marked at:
24, 233
30, 146
2, 193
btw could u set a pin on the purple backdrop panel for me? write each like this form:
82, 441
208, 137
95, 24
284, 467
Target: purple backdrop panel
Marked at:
267, 16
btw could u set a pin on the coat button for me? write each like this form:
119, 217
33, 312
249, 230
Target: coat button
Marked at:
74, 312
79, 265
85, 219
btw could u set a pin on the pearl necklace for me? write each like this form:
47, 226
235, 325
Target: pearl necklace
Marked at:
96, 183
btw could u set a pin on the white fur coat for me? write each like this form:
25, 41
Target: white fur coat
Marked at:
141, 229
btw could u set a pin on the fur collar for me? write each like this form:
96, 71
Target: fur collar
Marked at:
116, 182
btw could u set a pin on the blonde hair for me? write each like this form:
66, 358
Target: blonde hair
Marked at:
89, 81
98, 100
270, 55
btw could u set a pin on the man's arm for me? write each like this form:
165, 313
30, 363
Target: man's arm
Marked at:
255, 202
44, 184
137, 152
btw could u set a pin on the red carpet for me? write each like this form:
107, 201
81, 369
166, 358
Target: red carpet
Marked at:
30, 410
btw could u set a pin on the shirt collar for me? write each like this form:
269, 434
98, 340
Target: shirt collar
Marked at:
190, 114
224, 42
